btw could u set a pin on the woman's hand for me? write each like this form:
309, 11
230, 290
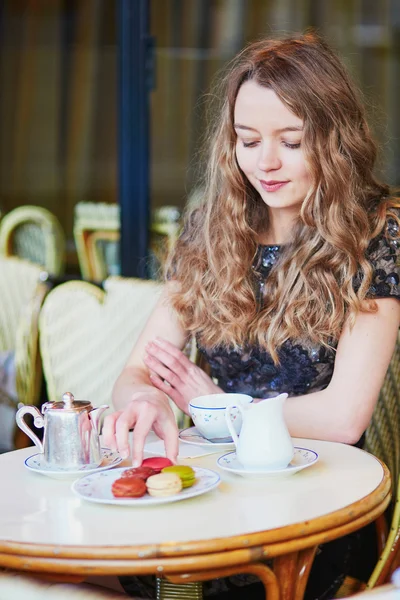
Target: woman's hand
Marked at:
147, 409
175, 375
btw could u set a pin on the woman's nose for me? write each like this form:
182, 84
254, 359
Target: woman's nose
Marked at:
269, 159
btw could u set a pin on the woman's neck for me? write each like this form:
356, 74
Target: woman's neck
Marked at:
280, 226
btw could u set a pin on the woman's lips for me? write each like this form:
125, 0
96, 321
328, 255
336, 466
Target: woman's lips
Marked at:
272, 186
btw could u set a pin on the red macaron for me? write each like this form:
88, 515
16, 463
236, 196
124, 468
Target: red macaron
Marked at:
141, 472
157, 463
128, 487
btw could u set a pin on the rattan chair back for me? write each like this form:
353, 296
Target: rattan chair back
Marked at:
97, 239
87, 334
97, 233
383, 440
35, 234
22, 294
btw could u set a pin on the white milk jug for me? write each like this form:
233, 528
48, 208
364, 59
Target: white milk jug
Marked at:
264, 441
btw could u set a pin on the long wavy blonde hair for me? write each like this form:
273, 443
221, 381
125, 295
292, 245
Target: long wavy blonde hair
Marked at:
311, 293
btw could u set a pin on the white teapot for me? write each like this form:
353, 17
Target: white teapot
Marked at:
264, 441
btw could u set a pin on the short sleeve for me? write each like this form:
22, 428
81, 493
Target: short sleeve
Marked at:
384, 255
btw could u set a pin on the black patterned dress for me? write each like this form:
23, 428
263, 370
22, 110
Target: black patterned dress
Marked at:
304, 367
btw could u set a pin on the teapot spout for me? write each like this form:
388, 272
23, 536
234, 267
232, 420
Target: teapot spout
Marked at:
95, 415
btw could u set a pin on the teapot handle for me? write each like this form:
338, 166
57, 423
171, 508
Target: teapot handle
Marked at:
230, 424
38, 421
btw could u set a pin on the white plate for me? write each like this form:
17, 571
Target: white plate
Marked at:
192, 436
303, 458
35, 463
97, 488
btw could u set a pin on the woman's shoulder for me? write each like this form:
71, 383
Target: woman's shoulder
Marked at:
383, 253
387, 242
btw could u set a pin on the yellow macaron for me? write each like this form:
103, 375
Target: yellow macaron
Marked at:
164, 484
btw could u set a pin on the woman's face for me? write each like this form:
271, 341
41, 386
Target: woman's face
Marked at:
268, 147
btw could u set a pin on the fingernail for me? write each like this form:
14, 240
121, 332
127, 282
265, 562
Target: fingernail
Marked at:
135, 463
124, 454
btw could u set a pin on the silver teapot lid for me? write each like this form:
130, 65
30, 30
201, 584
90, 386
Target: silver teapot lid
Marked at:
70, 404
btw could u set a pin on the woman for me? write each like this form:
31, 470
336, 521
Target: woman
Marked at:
287, 273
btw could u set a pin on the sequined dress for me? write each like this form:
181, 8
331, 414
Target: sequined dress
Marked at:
304, 366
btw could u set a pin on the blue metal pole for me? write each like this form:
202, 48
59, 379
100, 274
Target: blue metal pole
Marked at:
133, 129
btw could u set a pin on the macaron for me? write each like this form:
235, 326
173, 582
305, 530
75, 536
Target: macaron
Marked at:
157, 463
129, 487
141, 472
186, 473
164, 484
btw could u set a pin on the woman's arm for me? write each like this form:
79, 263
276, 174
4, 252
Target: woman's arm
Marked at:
137, 402
343, 410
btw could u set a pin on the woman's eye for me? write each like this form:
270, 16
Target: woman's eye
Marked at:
249, 144
292, 146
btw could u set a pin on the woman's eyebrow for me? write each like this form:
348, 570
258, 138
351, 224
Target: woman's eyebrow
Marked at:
238, 126
281, 130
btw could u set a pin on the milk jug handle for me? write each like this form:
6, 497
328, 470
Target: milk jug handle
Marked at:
230, 424
38, 420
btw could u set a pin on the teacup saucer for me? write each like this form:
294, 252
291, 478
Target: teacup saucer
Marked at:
191, 435
35, 463
303, 458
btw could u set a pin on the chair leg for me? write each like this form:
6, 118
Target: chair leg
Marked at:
186, 591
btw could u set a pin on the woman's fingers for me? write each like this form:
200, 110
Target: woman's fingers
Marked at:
170, 356
142, 414
173, 351
162, 371
108, 431
124, 423
172, 392
143, 425
168, 431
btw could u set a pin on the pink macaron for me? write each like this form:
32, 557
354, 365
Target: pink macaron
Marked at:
157, 463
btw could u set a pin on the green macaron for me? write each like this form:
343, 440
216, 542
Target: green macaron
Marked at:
187, 474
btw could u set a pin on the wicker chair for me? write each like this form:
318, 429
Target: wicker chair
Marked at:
34, 234
86, 334
97, 234
22, 294
97, 238
383, 440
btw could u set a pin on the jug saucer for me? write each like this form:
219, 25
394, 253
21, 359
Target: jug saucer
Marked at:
302, 458
192, 435
35, 464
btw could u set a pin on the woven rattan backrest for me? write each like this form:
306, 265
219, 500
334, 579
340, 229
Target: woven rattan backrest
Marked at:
87, 334
95, 221
383, 434
103, 250
21, 298
34, 234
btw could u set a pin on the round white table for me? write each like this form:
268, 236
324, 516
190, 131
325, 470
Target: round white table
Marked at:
45, 528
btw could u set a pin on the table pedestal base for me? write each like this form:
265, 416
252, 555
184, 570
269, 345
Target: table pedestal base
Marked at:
292, 571
287, 580
260, 570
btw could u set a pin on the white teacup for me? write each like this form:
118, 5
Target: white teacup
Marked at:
208, 414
